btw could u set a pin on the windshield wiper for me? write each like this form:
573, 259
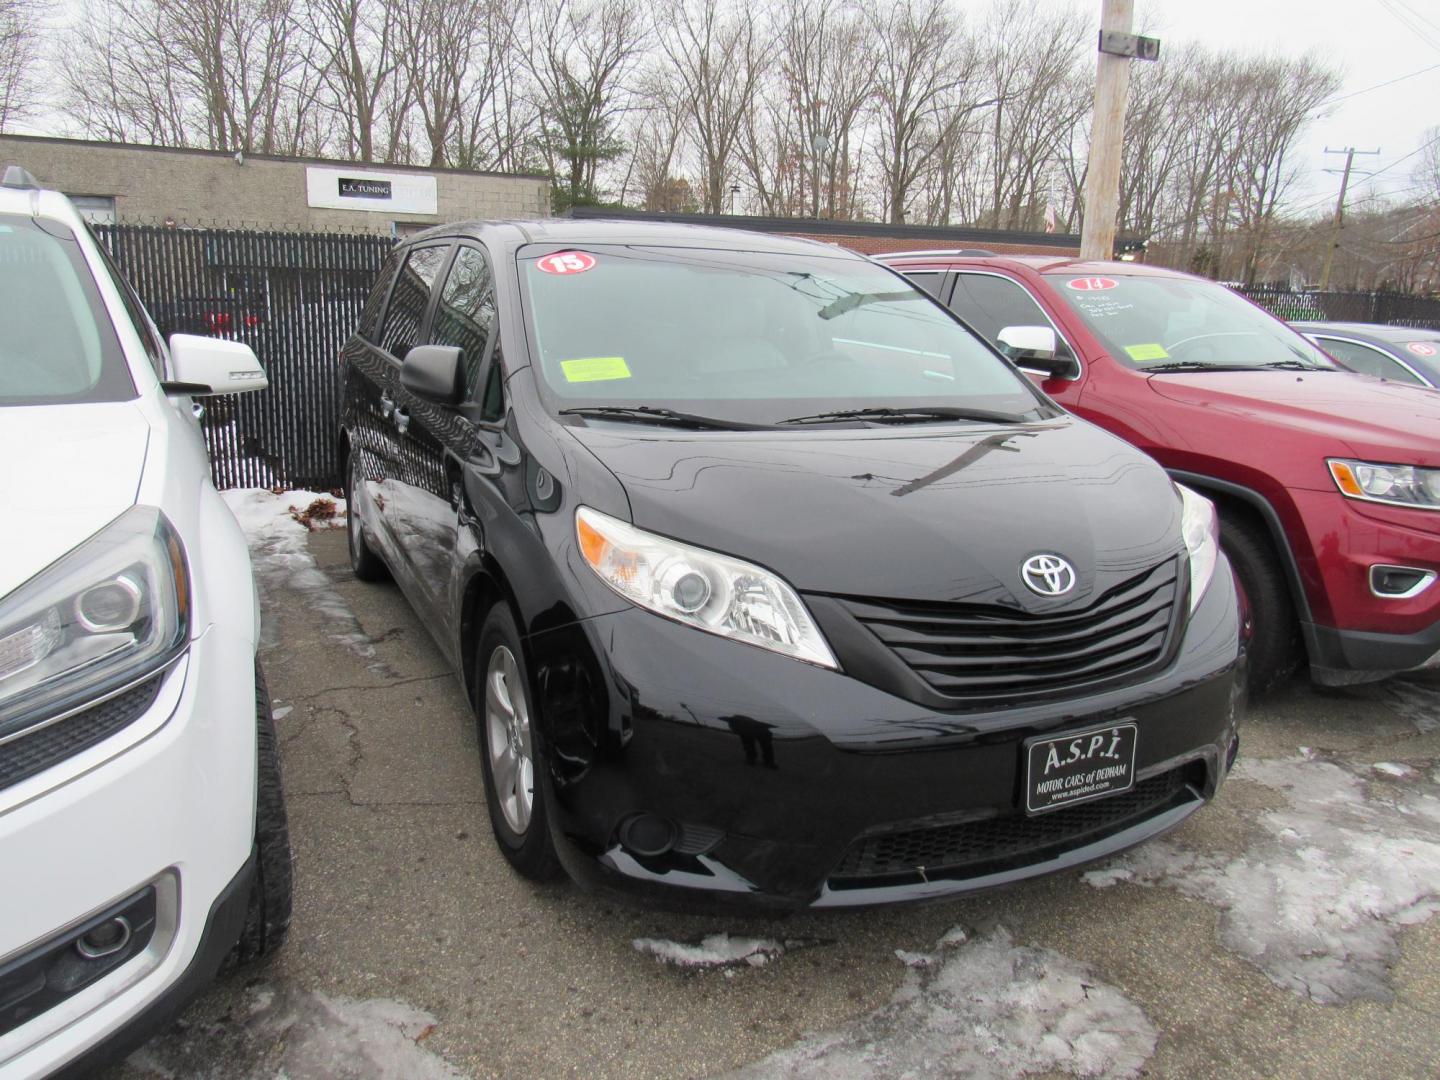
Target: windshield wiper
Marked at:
850, 301
910, 416
1292, 365
1193, 365
650, 414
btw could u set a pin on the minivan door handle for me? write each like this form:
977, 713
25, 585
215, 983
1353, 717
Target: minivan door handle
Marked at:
387, 405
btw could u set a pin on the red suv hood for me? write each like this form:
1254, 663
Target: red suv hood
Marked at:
1374, 419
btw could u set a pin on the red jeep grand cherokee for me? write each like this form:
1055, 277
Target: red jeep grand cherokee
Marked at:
1327, 482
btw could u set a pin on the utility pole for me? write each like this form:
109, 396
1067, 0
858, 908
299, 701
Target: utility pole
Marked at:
1107, 127
1338, 224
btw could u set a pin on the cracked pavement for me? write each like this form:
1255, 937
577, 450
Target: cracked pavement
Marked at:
415, 952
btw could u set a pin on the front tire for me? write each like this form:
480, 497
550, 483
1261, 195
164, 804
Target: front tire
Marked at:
515, 792
267, 919
1274, 650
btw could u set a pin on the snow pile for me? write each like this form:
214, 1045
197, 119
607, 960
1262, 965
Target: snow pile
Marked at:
713, 952
981, 1008
301, 1035
281, 556
1317, 903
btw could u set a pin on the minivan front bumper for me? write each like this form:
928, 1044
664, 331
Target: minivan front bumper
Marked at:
780, 781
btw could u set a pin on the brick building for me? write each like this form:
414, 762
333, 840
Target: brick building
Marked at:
125, 183
869, 237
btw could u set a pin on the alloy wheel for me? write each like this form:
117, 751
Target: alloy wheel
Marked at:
507, 729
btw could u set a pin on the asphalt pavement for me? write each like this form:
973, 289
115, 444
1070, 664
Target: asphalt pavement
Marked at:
1288, 930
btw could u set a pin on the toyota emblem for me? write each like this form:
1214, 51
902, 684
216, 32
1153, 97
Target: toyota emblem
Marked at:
1048, 575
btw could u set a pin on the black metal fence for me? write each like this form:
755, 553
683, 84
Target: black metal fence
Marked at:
1394, 309
294, 298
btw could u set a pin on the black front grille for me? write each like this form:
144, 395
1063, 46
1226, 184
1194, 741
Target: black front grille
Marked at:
974, 653
1012, 839
36, 751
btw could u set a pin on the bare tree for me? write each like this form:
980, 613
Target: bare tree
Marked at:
582, 56
1283, 95
716, 58
224, 74
826, 62
924, 88
359, 58
1040, 94
21, 78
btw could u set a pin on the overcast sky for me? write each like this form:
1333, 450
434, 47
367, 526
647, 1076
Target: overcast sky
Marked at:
1371, 40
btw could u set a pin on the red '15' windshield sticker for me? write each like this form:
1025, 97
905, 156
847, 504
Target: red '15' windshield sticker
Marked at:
1421, 348
566, 262
1091, 284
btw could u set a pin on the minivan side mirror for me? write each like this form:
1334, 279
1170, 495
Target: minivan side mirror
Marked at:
1036, 347
435, 372
205, 365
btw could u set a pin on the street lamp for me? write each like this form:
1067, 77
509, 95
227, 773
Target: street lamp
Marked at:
820, 144
734, 193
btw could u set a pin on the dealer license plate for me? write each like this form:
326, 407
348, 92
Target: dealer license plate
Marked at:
1079, 766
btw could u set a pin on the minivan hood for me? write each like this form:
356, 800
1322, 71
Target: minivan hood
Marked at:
905, 513
1375, 419
69, 471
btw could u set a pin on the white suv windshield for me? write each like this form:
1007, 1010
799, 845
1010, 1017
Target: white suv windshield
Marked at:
56, 344
755, 338
1165, 323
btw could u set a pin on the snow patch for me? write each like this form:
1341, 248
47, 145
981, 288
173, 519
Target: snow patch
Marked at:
713, 952
281, 557
980, 1008
300, 1035
1393, 768
1316, 904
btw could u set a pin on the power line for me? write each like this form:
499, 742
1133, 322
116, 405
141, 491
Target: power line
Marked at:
1378, 86
1407, 157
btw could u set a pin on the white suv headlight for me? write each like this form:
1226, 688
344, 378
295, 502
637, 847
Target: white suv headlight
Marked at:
700, 588
1201, 530
107, 614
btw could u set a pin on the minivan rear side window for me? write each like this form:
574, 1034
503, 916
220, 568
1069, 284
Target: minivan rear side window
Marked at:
57, 343
370, 313
410, 298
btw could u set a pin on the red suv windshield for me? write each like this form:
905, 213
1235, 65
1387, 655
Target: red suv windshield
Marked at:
1158, 322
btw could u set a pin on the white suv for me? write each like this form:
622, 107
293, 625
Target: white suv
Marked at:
142, 828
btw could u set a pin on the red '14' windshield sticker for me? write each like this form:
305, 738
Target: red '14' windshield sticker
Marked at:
566, 262
1421, 348
1091, 284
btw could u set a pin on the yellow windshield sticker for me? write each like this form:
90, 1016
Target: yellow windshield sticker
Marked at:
1143, 353
595, 369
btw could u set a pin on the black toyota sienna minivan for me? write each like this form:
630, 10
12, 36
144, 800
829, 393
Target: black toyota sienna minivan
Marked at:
769, 582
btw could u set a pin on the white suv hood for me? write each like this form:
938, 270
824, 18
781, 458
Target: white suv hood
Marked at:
69, 470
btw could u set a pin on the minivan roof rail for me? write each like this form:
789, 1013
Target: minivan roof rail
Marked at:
17, 177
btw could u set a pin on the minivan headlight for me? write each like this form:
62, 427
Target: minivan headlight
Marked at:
700, 588
1398, 485
108, 613
1201, 530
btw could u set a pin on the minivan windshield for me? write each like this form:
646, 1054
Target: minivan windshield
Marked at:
1181, 324
53, 347
706, 338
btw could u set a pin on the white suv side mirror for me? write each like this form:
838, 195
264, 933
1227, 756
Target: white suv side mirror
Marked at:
1028, 342
204, 365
